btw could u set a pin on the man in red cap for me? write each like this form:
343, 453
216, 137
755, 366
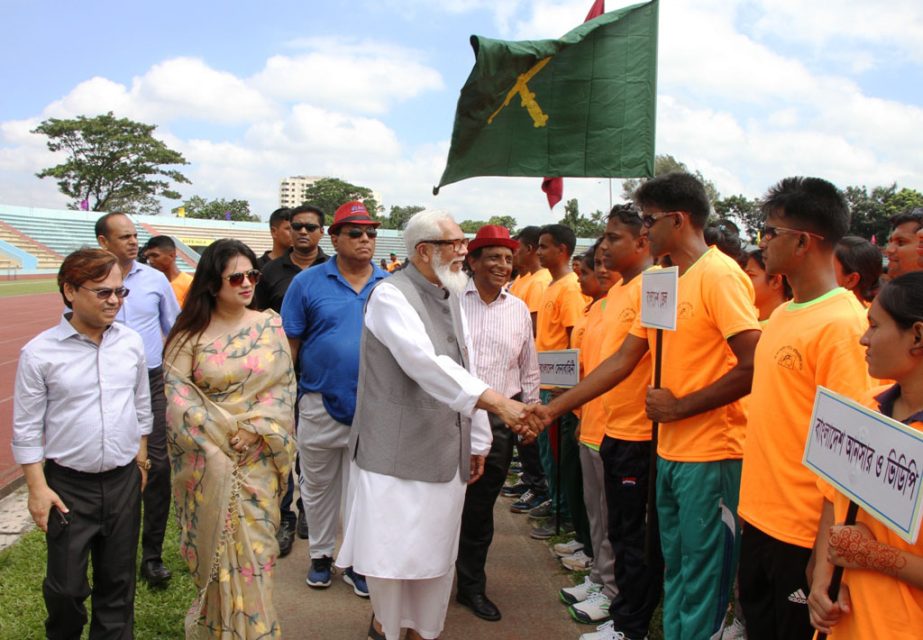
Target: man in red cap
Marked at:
505, 358
322, 316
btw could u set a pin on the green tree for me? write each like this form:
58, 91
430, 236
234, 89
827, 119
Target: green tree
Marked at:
399, 216
329, 193
199, 207
666, 164
112, 163
742, 211
584, 227
504, 221
471, 226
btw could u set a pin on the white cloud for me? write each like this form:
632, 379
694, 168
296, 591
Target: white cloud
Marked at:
355, 76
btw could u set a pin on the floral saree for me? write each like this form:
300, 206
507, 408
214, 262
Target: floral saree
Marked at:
227, 503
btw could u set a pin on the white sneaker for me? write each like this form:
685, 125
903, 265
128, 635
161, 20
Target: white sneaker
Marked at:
735, 631
592, 610
579, 592
606, 631
567, 548
577, 562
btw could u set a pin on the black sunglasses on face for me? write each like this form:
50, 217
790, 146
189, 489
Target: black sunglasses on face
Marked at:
237, 279
355, 234
105, 294
310, 227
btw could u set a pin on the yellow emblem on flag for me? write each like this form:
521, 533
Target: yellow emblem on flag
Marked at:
539, 118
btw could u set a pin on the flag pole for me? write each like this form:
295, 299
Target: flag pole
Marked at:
834, 590
652, 534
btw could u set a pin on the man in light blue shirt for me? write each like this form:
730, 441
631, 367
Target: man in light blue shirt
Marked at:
151, 311
81, 406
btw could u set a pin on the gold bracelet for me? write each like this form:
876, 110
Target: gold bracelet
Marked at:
144, 464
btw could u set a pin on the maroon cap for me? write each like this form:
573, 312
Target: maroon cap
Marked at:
351, 213
493, 235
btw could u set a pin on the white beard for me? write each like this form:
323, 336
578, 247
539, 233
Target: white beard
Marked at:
454, 281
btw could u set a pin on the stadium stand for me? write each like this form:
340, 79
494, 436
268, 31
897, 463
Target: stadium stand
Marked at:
35, 240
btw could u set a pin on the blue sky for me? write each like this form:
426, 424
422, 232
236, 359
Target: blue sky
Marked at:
749, 91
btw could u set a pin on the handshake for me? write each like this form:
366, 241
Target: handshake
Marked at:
525, 420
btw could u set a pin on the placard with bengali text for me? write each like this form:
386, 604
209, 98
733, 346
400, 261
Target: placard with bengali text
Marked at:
559, 368
872, 459
658, 298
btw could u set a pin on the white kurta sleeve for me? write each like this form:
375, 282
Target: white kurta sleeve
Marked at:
482, 437
392, 320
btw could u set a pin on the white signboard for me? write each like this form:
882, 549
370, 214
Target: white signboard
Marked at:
559, 368
872, 459
658, 298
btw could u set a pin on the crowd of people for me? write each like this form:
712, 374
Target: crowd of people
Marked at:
397, 395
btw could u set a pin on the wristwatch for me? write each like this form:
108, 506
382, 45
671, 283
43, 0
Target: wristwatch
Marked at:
144, 464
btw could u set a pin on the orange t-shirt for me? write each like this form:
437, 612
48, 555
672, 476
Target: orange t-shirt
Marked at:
802, 346
530, 287
180, 285
592, 417
714, 303
625, 416
882, 606
561, 308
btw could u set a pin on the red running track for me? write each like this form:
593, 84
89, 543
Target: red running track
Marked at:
23, 317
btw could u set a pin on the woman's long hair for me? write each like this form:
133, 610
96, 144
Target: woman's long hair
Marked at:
206, 283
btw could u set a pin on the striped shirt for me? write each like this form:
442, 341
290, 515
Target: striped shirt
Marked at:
504, 350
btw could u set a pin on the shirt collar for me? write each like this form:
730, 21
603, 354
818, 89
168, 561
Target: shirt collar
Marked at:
66, 330
886, 400
471, 288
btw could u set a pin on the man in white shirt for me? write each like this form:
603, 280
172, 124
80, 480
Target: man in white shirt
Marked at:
81, 405
417, 435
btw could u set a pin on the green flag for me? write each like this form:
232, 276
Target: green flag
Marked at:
583, 106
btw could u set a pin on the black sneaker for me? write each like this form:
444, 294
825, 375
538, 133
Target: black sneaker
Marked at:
529, 501
301, 528
285, 536
514, 491
319, 575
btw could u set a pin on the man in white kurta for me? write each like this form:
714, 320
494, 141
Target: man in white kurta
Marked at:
419, 436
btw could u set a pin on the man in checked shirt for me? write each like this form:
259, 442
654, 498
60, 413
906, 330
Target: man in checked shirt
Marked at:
505, 358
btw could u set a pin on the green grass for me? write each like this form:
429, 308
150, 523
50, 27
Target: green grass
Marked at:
24, 287
159, 613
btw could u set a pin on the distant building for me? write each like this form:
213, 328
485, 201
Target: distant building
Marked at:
291, 190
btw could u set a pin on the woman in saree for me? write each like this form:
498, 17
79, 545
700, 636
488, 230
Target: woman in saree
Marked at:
230, 395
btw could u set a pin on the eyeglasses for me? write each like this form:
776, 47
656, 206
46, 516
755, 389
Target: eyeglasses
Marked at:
310, 227
237, 279
648, 221
105, 294
355, 234
769, 232
457, 244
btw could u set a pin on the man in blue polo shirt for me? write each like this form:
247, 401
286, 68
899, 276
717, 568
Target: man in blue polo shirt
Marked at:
322, 315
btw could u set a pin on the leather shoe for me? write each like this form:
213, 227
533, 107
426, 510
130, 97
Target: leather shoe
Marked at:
285, 536
155, 573
302, 526
481, 606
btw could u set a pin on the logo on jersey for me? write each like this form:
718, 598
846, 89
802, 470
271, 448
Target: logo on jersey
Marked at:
789, 358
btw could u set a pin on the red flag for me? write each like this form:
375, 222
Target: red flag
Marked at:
554, 187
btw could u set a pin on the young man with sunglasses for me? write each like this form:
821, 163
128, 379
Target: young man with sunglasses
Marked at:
812, 340
81, 419
707, 367
151, 311
306, 226
322, 316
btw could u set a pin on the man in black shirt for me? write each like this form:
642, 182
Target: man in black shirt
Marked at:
281, 240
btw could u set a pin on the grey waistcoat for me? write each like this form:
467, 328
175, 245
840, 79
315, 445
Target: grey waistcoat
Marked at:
398, 429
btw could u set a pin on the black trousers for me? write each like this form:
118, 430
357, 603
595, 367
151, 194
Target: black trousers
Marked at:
102, 526
626, 468
773, 588
477, 524
157, 494
532, 474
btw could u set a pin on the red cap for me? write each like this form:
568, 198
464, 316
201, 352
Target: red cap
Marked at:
351, 213
493, 235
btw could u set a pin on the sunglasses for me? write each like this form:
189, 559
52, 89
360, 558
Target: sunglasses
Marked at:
105, 294
355, 234
648, 221
237, 279
769, 232
310, 227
